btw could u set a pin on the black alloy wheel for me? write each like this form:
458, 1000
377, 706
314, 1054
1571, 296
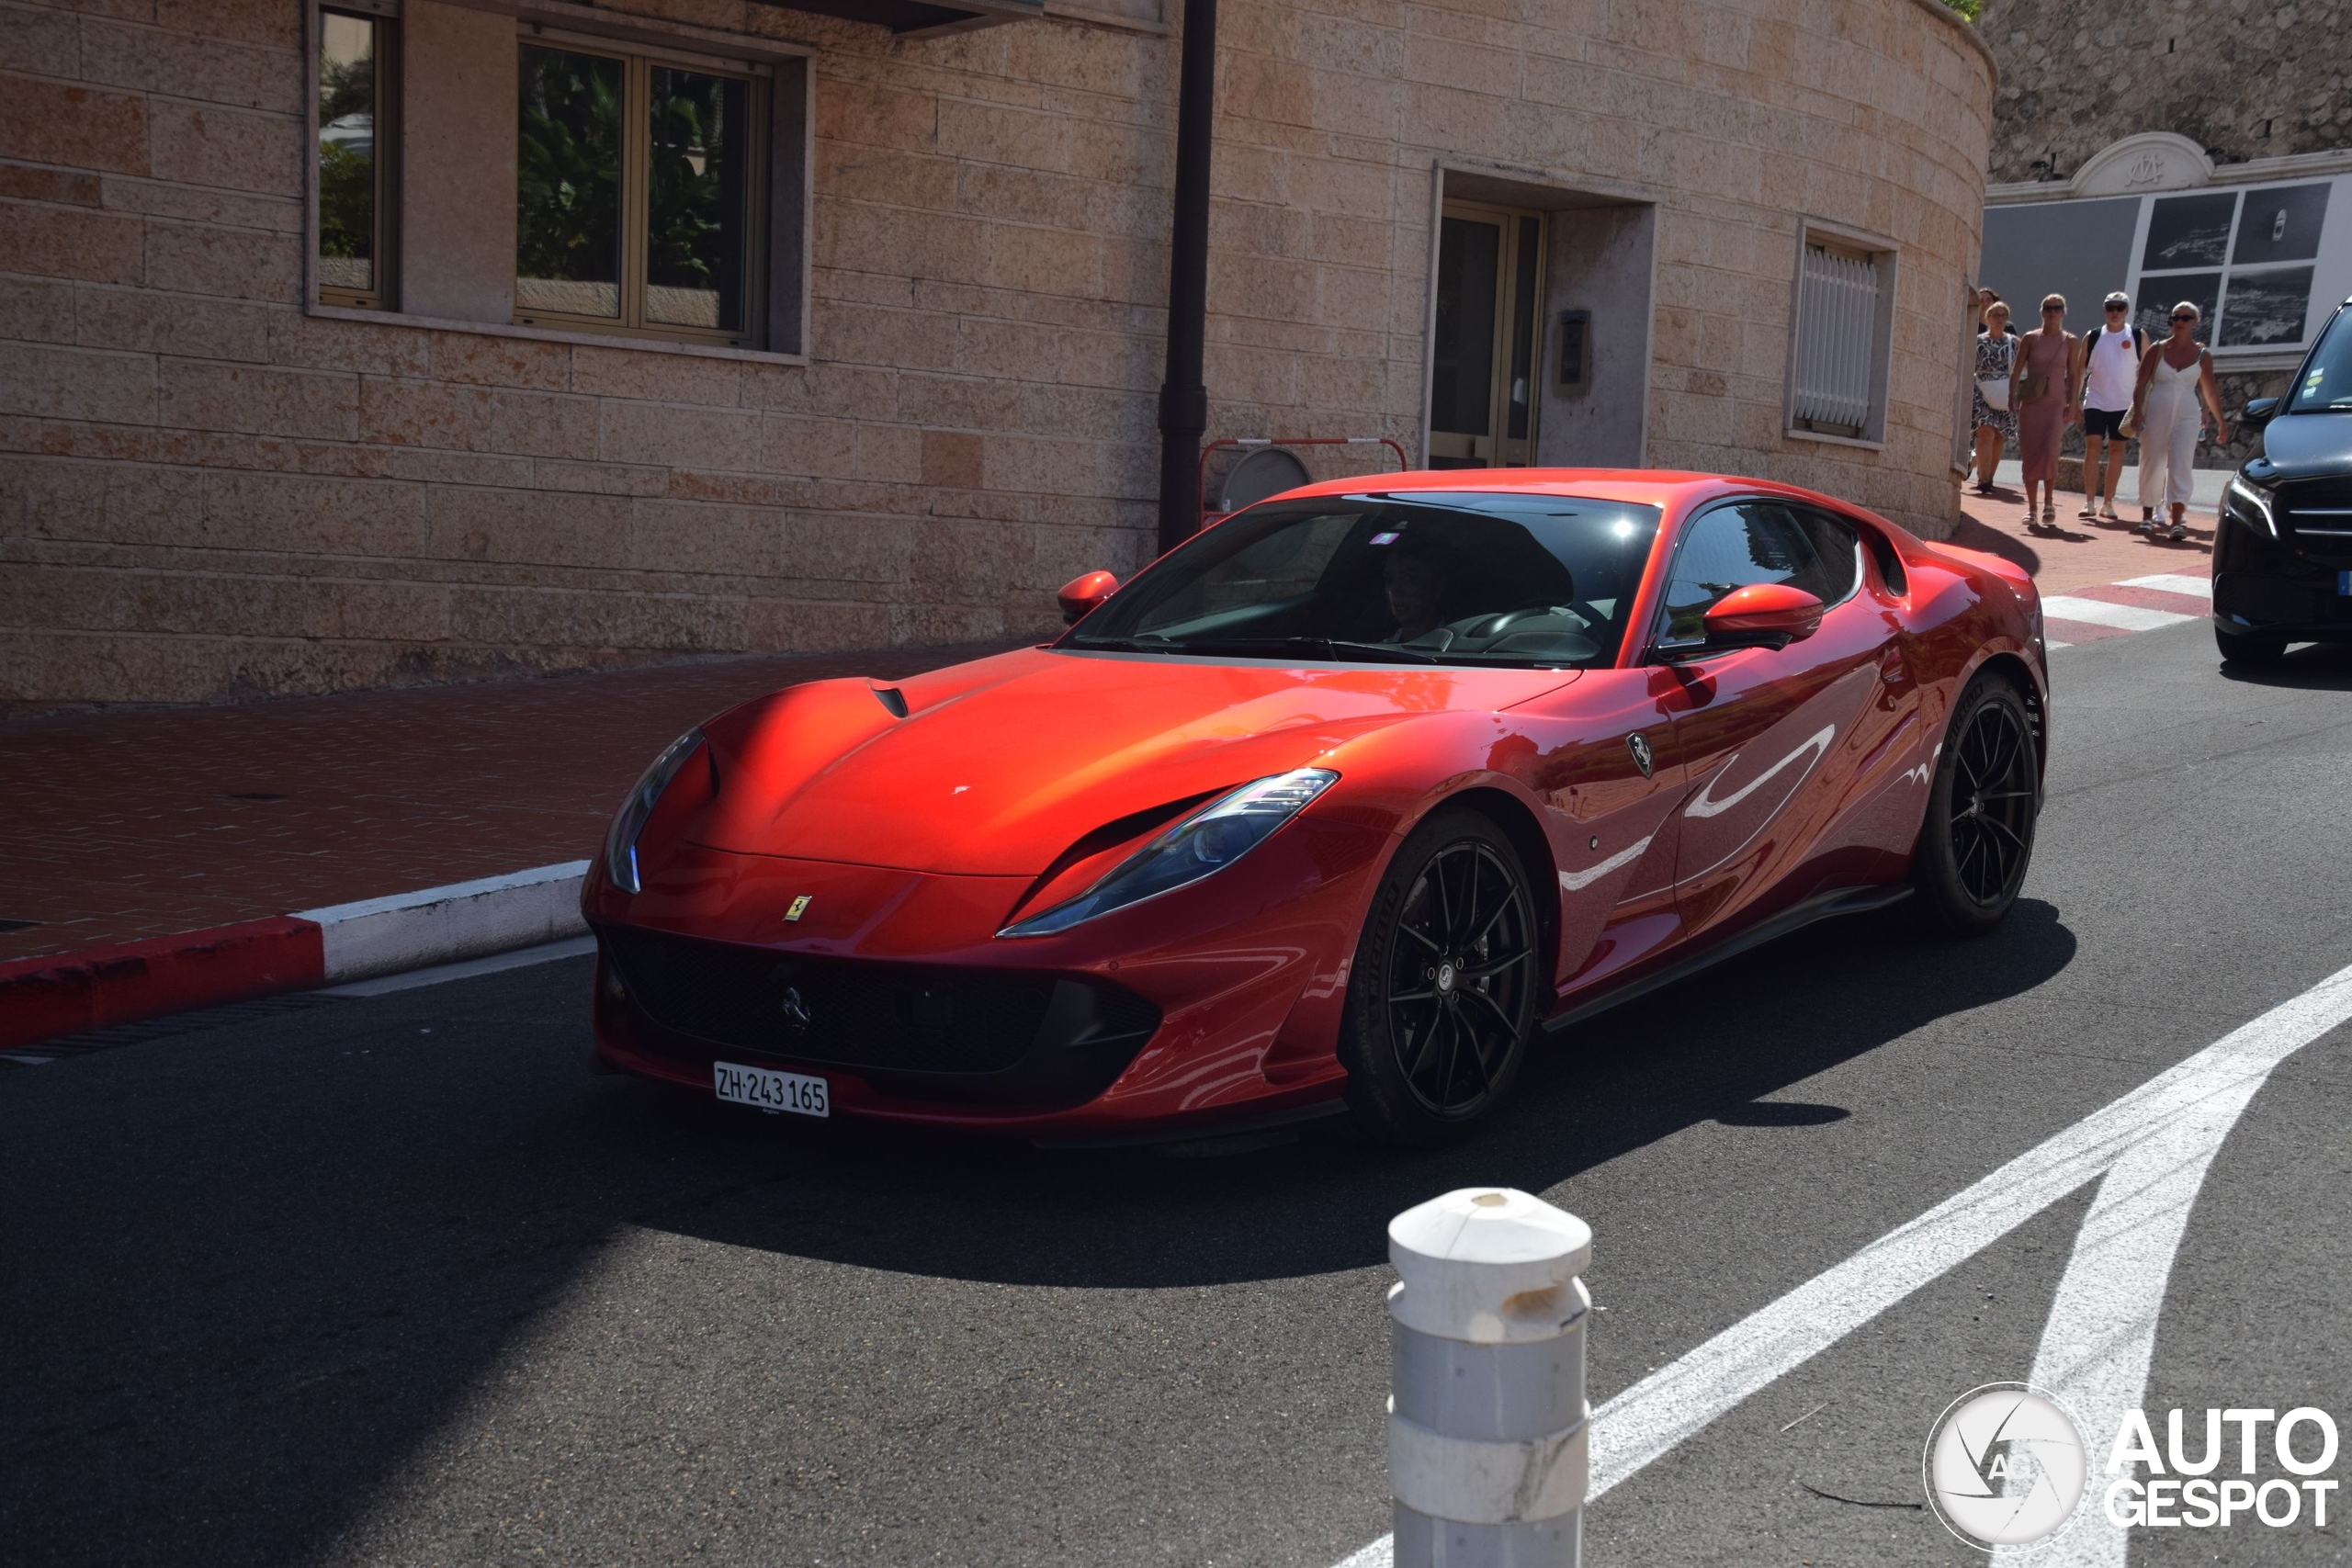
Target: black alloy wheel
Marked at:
1443, 995
1978, 836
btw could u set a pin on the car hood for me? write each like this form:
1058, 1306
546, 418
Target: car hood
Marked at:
2303, 446
1001, 765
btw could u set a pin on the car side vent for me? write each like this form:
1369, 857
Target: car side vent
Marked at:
892, 698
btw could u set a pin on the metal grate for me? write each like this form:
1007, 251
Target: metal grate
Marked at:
43, 1052
1838, 314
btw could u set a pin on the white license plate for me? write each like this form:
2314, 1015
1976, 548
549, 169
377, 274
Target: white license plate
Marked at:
764, 1089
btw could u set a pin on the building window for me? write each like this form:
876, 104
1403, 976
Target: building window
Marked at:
353, 151
2234, 253
637, 194
1845, 298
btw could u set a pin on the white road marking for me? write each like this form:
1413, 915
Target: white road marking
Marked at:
2173, 583
2054, 646
2101, 1334
570, 947
2154, 1144
2099, 613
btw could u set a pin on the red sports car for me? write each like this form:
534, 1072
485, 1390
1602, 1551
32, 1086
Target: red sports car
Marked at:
1339, 806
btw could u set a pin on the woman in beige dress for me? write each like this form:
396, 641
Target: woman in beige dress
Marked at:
2044, 389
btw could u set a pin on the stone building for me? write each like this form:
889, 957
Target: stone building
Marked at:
2188, 148
376, 341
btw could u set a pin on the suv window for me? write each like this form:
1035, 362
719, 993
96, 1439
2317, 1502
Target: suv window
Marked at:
2327, 377
1751, 542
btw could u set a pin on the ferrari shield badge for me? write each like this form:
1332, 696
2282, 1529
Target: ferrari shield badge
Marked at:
1638, 744
800, 905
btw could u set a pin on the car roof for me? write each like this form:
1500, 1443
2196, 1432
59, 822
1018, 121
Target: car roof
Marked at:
1664, 488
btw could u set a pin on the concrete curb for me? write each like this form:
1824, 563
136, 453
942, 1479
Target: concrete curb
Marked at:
67, 993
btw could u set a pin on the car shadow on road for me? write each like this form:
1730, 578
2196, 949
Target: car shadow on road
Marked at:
1708, 1050
249, 1270
2319, 667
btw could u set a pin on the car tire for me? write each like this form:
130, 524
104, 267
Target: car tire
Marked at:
2237, 647
1977, 839
1430, 1054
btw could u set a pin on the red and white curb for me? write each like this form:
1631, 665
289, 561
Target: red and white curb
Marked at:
67, 993
2134, 605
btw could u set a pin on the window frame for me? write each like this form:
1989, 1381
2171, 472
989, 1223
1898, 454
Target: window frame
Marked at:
637, 61
383, 293
1887, 257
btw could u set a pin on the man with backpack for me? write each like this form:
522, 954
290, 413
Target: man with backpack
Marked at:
2111, 355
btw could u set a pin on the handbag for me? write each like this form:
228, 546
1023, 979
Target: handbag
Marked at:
1995, 391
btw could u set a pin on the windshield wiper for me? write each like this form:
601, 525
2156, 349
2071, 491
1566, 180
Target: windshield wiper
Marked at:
1333, 648
1152, 644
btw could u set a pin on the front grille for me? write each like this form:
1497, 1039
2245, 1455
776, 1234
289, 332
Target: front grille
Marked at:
2318, 512
925, 1031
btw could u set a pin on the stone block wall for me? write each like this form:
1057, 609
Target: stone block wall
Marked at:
2243, 81
209, 491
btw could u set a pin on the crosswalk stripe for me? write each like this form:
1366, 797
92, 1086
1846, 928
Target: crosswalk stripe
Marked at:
2098, 612
2172, 582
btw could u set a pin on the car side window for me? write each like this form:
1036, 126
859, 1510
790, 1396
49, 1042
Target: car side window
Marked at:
1837, 546
1737, 547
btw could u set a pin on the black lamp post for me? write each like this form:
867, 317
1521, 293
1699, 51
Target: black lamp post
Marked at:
1184, 398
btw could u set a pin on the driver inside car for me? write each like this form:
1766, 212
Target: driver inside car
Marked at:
1416, 585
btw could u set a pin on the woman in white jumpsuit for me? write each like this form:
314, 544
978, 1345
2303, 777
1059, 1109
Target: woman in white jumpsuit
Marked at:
2175, 376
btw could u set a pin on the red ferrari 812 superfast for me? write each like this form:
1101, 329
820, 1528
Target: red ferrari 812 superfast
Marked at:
1339, 805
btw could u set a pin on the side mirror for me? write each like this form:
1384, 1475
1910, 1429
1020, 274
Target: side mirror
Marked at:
2259, 409
1762, 614
1080, 595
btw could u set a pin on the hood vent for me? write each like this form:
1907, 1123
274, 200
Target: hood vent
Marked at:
892, 698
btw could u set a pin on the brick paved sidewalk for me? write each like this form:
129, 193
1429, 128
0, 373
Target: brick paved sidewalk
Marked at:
138, 824
2080, 553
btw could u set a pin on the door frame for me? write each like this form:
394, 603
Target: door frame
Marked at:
1450, 443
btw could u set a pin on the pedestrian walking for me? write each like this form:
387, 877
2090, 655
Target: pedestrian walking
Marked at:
1995, 421
2042, 391
2175, 377
1985, 299
2111, 355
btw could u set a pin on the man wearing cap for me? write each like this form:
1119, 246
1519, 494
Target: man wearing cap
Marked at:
2111, 354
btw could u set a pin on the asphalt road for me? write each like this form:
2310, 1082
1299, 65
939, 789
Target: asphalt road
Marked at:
395, 1280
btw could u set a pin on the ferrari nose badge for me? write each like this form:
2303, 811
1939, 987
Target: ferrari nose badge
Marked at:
800, 905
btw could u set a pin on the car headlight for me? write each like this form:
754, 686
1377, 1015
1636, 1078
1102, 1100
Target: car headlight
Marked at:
2252, 503
620, 844
1201, 845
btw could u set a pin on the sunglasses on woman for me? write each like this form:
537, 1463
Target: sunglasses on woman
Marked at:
2184, 317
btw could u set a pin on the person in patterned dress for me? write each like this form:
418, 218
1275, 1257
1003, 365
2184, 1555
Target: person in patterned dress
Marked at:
1996, 349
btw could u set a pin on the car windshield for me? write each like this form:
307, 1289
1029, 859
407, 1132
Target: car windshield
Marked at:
2327, 380
1417, 577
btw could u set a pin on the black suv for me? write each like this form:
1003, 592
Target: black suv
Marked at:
2282, 549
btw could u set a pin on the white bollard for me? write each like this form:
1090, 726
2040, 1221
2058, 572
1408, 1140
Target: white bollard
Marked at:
1488, 1431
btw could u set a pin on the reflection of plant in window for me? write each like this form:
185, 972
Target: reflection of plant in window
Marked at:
568, 167
683, 234
347, 201
347, 157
